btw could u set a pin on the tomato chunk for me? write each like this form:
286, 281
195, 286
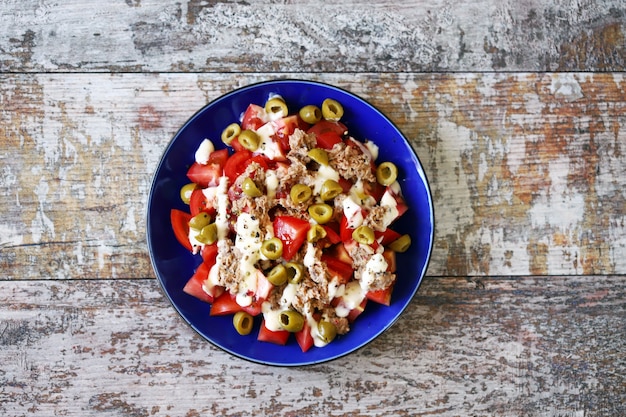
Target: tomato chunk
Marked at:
224, 304
254, 117
292, 232
195, 285
304, 337
180, 225
236, 164
279, 337
342, 270
381, 296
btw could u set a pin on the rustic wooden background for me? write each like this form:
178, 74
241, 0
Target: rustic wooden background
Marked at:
517, 110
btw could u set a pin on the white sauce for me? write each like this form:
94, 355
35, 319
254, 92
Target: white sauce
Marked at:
376, 265
325, 172
271, 183
352, 211
223, 203
248, 241
389, 202
372, 148
267, 145
204, 151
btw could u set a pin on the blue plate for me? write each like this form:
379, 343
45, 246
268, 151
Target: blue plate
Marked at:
174, 265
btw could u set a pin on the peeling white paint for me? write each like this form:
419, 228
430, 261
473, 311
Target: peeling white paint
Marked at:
566, 86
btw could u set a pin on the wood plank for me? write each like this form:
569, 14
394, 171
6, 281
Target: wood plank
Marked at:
299, 36
528, 171
495, 346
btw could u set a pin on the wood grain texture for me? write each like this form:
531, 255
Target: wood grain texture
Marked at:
528, 171
507, 347
300, 36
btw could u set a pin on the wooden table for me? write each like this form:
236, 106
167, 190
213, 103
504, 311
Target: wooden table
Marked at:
516, 109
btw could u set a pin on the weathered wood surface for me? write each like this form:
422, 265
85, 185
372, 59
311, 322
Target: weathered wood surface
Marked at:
296, 36
528, 171
531, 346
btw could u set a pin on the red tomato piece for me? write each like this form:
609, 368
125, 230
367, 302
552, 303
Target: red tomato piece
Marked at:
304, 337
387, 236
292, 232
324, 126
390, 257
204, 175
332, 233
327, 140
198, 203
375, 190
254, 309
224, 304
355, 312
195, 285
285, 127
343, 271
209, 253
263, 287
180, 226
236, 164
381, 296
344, 231
254, 117
279, 337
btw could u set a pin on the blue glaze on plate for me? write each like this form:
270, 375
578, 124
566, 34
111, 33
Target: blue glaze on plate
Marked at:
174, 265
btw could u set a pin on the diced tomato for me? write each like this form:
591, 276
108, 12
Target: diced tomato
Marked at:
401, 205
209, 254
262, 160
204, 175
180, 226
285, 127
327, 140
263, 286
279, 337
254, 117
224, 304
218, 157
374, 189
387, 236
292, 232
198, 203
254, 309
236, 164
381, 296
340, 252
332, 233
341, 270
195, 285
355, 312
237, 147
324, 126
390, 258
304, 337
344, 231
345, 184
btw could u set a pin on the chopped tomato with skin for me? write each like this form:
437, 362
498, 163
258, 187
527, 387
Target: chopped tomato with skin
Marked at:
343, 271
355, 312
324, 126
209, 254
254, 117
327, 140
285, 127
224, 304
180, 225
332, 233
292, 232
381, 296
204, 175
198, 203
390, 258
195, 285
236, 164
304, 337
279, 337
387, 236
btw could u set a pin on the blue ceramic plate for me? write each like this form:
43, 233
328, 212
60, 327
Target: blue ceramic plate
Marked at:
174, 265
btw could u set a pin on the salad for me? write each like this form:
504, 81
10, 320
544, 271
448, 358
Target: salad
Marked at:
293, 222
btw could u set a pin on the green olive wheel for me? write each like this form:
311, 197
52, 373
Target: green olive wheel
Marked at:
364, 234
249, 140
243, 322
319, 155
272, 248
300, 193
291, 320
310, 114
321, 212
250, 189
231, 132
315, 233
330, 189
186, 190
276, 105
327, 331
208, 234
277, 275
200, 220
386, 173
332, 110
295, 272
401, 244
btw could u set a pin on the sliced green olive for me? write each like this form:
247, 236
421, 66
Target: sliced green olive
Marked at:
315, 233
249, 140
295, 272
186, 190
250, 189
327, 331
321, 212
386, 173
330, 189
200, 220
300, 193
277, 106
277, 275
291, 320
231, 132
272, 248
243, 322
208, 234
401, 244
364, 234
310, 114
332, 110
319, 155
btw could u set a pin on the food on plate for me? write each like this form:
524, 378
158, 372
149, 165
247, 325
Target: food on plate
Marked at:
292, 222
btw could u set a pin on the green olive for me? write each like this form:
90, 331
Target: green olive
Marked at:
231, 132
295, 272
332, 110
186, 190
200, 220
277, 275
291, 320
364, 234
327, 331
321, 212
208, 234
272, 248
315, 233
330, 189
319, 155
386, 173
311, 114
250, 189
249, 140
276, 105
300, 193
401, 244
243, 322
